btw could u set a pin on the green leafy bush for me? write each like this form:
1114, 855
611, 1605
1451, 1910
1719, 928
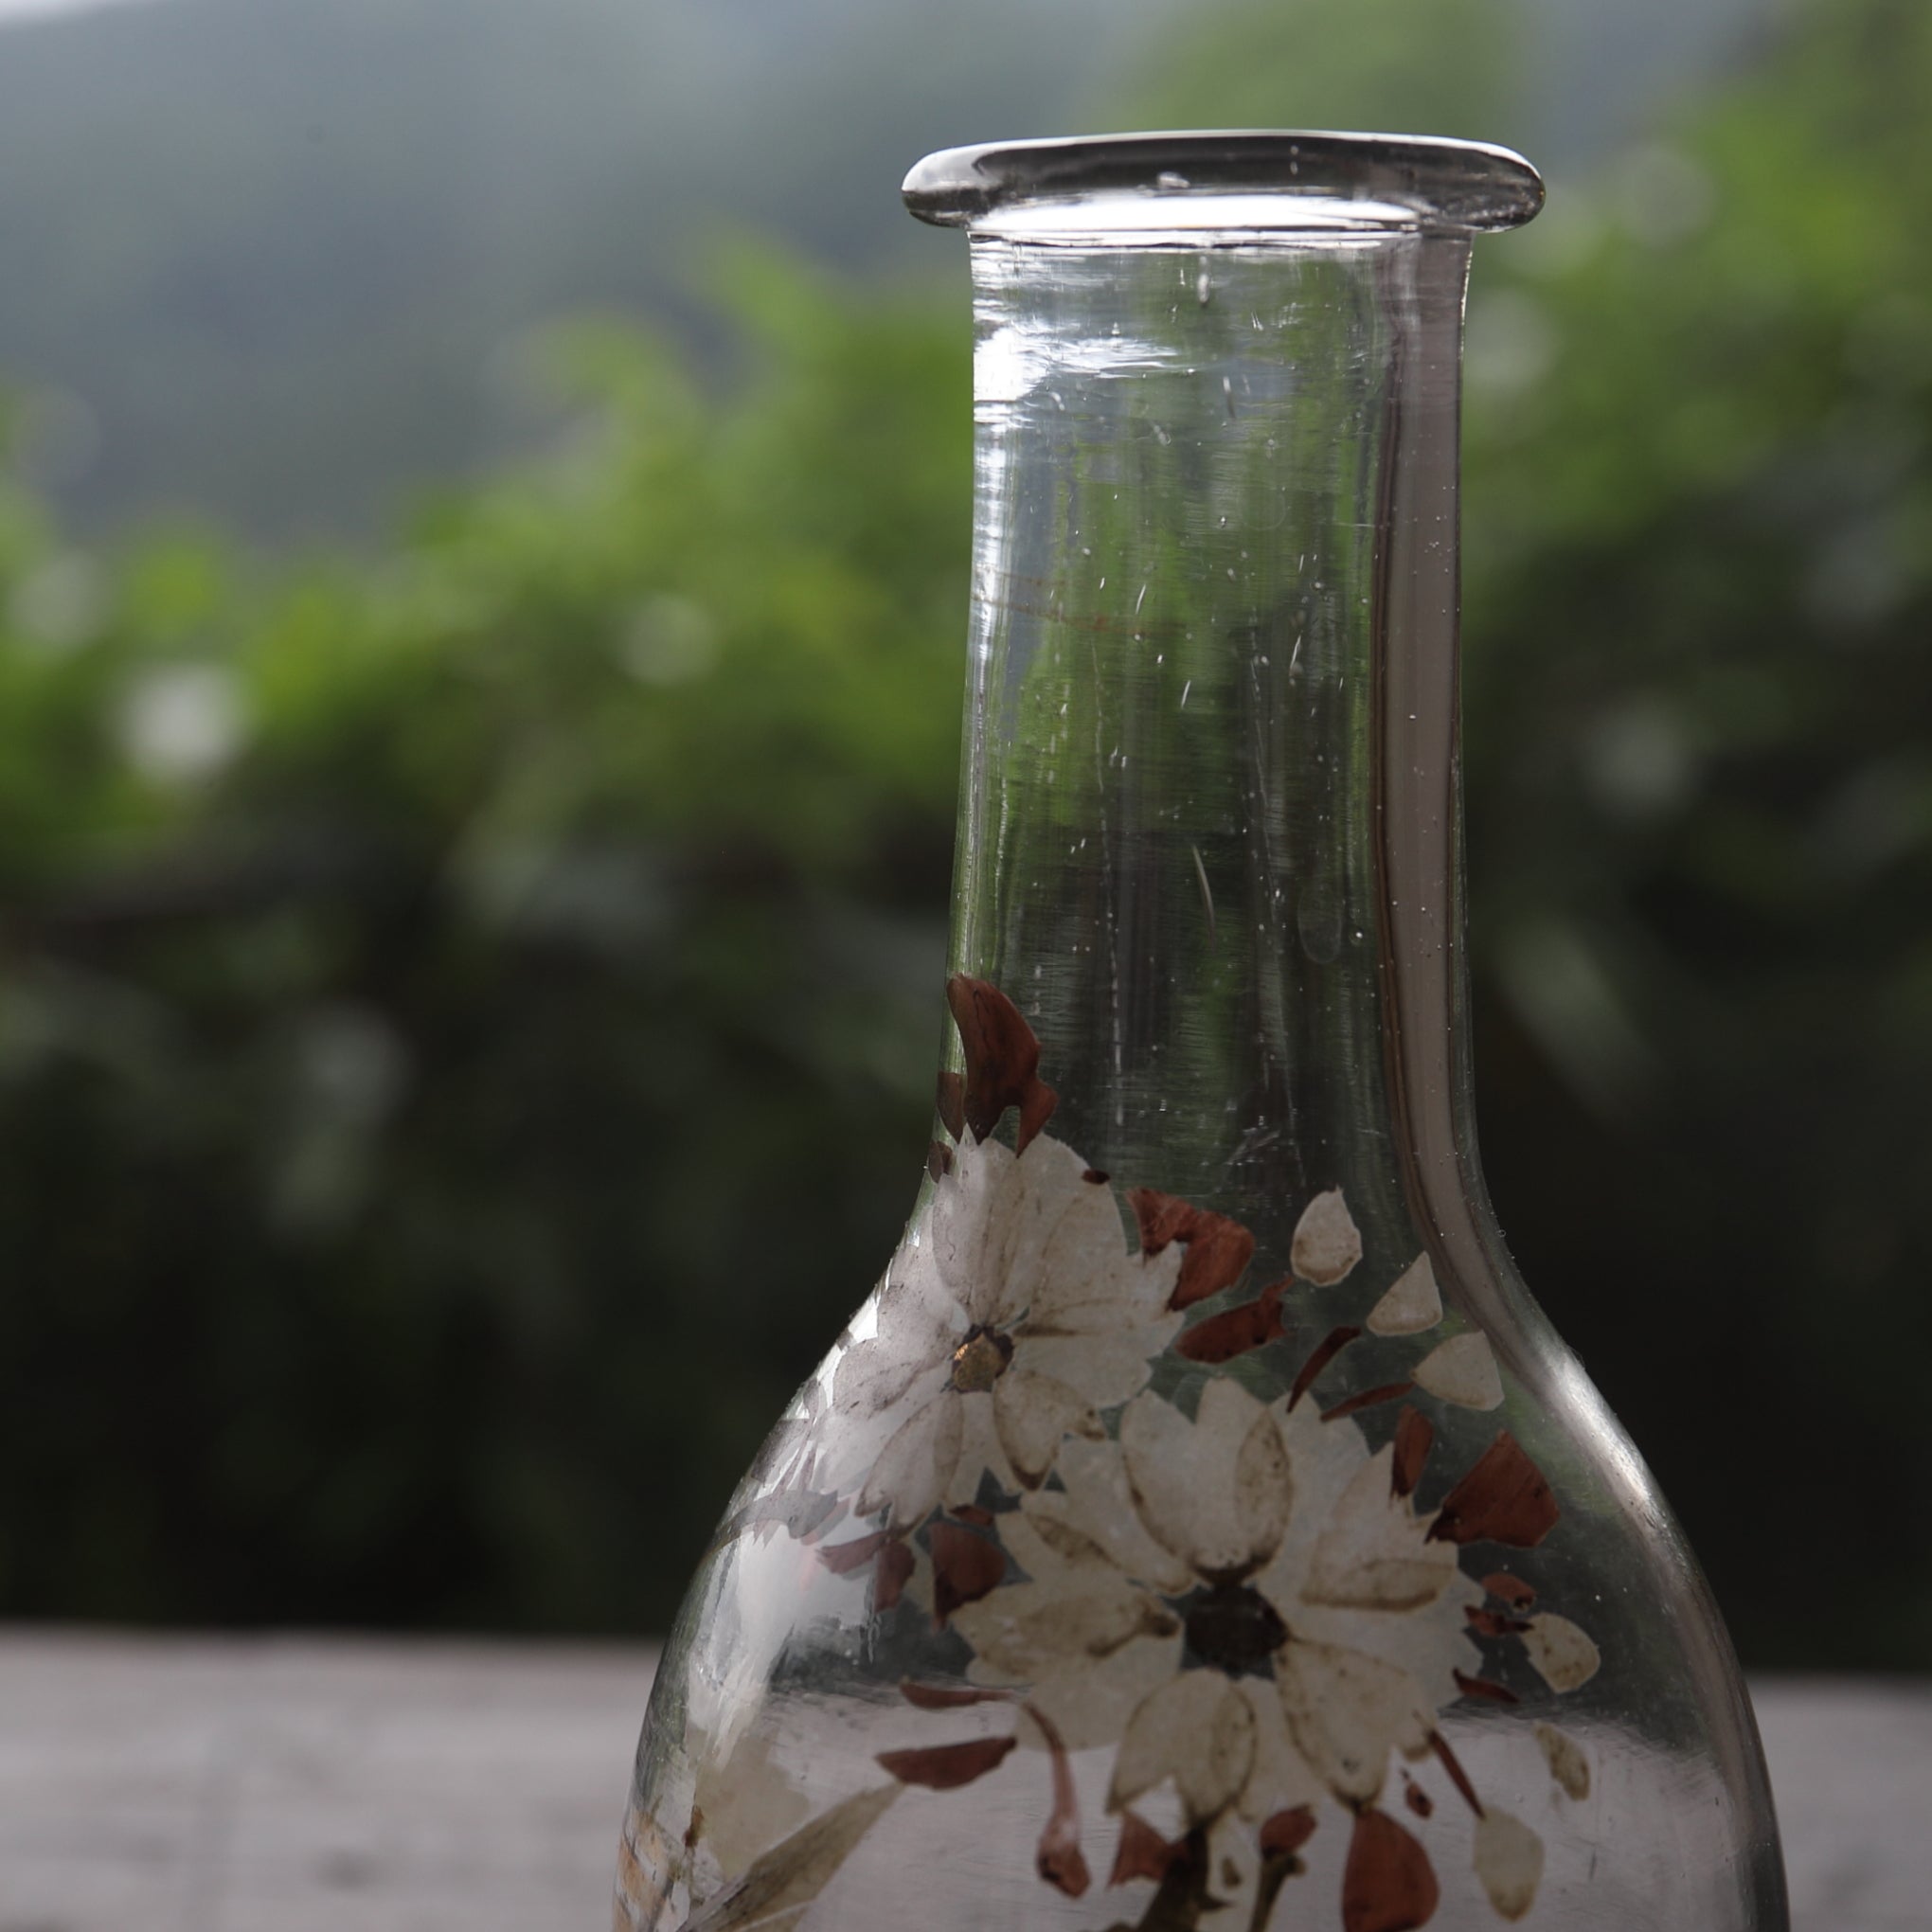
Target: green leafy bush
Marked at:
466, 1012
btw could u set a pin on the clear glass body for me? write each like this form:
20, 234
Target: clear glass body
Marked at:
1200, 1526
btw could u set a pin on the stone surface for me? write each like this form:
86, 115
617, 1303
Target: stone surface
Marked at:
238, 1785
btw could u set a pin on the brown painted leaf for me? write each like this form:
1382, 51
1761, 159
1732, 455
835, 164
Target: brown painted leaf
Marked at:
1094, 1177
1234, 1332
841, 1559
1060, 1860
1416, 1797
1508, 1589
1492, 1622
788, 1877
1287, 1831
1218, 1249
966, 1566
1002, 1060
951, 1101
951, 1696
1369, 1398
1142, 1852
1457, 1776
1503, 1500
1388, 1883
946, 1768
972, 1512
939, 1160
1325, 1350
1414, 1434
1481, 1687
891, 1575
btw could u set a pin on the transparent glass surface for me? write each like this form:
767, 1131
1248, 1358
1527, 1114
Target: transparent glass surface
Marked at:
1200, 1526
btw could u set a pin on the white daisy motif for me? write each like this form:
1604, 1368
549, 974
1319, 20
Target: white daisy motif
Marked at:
1239, 1602
1012, 1313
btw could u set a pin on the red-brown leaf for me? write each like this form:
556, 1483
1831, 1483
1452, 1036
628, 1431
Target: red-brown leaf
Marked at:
972, 1512
1325, 1350
1060, 1860
1142, 1853
1414, 1433
841, 1559
1218, 1249
965, 1568
946, 1768
1388, 1885
1369, 1398
891, 1574
950, 1100
1481, 1687
1503, 1500
1508, 1589
1457, 1776
939, 1160
1002, 1060
951, 1696
1492, 1622
1416, 1797
1235, 1330
1094, 1177
1287, 1831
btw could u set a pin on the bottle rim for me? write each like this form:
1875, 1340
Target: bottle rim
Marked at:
1214, 179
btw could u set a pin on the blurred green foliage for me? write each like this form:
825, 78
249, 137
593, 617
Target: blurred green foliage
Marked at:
466, 1014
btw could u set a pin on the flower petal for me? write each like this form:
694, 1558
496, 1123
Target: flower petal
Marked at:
979, 1453
1568, 1764
1373, 1552
1032, 1413
1564, 1656
1086, 1275
1029, 1630
1413, 1304
1217, 1490
1345, 1711
910, 1476
1108, 1369
1096, 1514
983, 1222
1279, 1779
1463, 1371
1508, 1860
1327, 1243
1090, 1702
1197, 1729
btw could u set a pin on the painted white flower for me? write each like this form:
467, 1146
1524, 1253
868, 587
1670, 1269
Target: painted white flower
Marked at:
1011, 1316
1239, 1600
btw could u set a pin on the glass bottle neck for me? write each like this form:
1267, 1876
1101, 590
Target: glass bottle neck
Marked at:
1210, 835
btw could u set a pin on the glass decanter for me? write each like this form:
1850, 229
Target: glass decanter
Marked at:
1200, 1526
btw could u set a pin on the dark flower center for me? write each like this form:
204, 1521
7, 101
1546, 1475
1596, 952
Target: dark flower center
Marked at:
1234, 1628
980, 1360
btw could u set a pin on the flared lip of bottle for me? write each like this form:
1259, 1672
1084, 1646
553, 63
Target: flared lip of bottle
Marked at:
1151, 186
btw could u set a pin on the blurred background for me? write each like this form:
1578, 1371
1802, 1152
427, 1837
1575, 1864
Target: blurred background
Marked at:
482, 584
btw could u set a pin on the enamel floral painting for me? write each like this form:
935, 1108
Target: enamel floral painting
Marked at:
1128, 1539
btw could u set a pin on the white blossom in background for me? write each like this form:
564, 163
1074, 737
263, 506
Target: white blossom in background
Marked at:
181, 723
